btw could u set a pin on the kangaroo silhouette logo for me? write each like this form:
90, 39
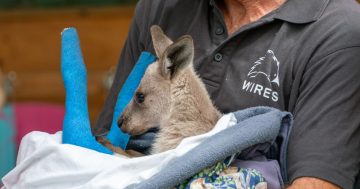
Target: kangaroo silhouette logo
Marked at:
268, 66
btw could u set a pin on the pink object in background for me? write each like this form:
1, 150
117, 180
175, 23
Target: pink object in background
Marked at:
37, 117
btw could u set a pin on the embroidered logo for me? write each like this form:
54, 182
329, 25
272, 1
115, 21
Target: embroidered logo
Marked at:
268, 66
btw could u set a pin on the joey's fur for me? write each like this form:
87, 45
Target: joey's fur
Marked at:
170, 96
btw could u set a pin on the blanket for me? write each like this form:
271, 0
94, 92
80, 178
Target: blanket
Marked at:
253, 126
44, 162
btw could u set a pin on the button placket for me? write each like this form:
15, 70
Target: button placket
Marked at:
218, 57
219, 30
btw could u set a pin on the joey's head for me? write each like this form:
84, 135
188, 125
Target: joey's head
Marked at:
152, 100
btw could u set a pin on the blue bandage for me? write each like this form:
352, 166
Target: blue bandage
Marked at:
76, 126
115, 135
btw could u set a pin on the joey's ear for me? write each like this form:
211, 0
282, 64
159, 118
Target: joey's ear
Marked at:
177, 57
160, 40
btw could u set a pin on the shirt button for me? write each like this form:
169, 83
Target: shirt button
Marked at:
218, 57
219, 31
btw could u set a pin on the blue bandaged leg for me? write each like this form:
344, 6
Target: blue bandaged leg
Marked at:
127, 92
76, 126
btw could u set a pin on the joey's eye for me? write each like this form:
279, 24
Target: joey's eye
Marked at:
139, 97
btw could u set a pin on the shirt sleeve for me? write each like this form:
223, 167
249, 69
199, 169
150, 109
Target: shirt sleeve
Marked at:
325, 141
134, 45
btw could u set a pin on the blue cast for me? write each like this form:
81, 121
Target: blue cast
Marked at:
76, 126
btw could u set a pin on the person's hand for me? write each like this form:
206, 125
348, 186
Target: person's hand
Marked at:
142, 143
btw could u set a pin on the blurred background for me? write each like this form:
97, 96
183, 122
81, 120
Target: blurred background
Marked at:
31, 88
32, 94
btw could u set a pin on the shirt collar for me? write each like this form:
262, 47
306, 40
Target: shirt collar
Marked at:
301, 11
298, 11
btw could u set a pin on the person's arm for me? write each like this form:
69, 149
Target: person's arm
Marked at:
325, 141
311, 183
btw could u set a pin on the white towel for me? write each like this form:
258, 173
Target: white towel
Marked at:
44, 162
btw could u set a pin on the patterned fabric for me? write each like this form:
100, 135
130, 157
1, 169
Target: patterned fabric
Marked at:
221, 176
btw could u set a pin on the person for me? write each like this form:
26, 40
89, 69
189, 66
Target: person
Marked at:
300, 56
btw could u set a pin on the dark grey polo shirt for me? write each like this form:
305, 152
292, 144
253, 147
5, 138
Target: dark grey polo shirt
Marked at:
302, 58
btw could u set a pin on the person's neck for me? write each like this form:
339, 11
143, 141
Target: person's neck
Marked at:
241, 12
